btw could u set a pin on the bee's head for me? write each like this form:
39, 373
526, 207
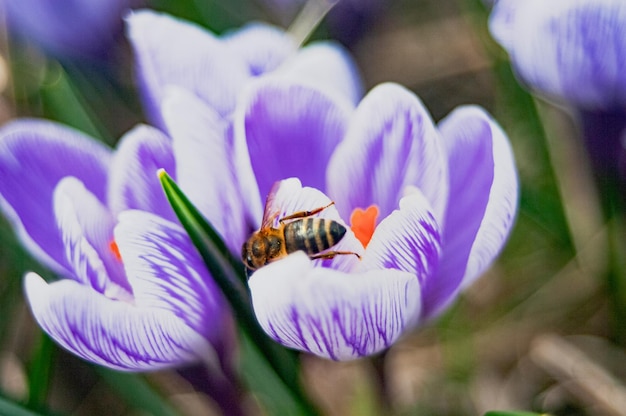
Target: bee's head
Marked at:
254, 252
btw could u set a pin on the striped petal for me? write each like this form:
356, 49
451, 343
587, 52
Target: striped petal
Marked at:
290, 130
408, 240
34, 156
112, 333
86, 227
167, 273
333, 314
391, 144
133, 182
482, 206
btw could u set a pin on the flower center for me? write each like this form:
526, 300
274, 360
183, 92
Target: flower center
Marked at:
115, 250
363, 223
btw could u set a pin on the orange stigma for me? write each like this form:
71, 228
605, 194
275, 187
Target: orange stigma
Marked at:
115, 250
363, 223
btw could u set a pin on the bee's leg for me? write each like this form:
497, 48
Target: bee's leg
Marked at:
304, 214
332, 254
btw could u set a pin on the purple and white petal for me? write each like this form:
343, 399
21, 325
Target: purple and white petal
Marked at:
408, 239
291, 130
34, 156
133, 183
167, 273
262, 46
333, 314
573, 50
112, 333
391, 144
483, 202
169, 51
86, 227
325, 65
206, 166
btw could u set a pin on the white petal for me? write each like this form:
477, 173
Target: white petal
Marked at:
112, 333
333, 314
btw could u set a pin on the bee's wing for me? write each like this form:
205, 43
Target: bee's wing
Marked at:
270, 212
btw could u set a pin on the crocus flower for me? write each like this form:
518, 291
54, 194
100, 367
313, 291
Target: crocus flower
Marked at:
430, 207
98, 217
67, 28
133, 293
573, 52
171, 52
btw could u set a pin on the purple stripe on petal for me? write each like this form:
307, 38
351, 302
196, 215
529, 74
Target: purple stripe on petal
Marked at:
167, 273
408, 240
34, 156
112, 333
391, 144
87, 230
133, 182
332, 314
291, 131
483, 202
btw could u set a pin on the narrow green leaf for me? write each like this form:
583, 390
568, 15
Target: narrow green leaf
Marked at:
229, 274
8, 408
40, 372
136, 391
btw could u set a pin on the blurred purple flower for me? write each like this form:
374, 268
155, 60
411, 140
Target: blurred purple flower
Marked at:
446, 199
67, 27
573, 52
134, 293
171, 52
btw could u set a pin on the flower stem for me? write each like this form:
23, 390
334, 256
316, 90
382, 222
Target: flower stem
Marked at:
309, 18
225, 392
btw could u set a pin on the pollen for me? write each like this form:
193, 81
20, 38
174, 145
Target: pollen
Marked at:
115, 250
363, 223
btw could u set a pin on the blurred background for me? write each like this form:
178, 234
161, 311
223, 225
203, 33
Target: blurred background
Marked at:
537, 332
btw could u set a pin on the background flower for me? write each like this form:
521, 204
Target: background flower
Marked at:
67, 27
573, 52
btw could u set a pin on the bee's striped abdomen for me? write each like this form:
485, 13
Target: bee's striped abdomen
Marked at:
312, 235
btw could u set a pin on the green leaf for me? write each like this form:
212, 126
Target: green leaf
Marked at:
229, 274
136, 391
8, 408
40, 372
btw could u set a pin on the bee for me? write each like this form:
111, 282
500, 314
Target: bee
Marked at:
297, 231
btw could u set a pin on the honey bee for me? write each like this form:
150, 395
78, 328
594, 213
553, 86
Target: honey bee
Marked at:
297, 231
